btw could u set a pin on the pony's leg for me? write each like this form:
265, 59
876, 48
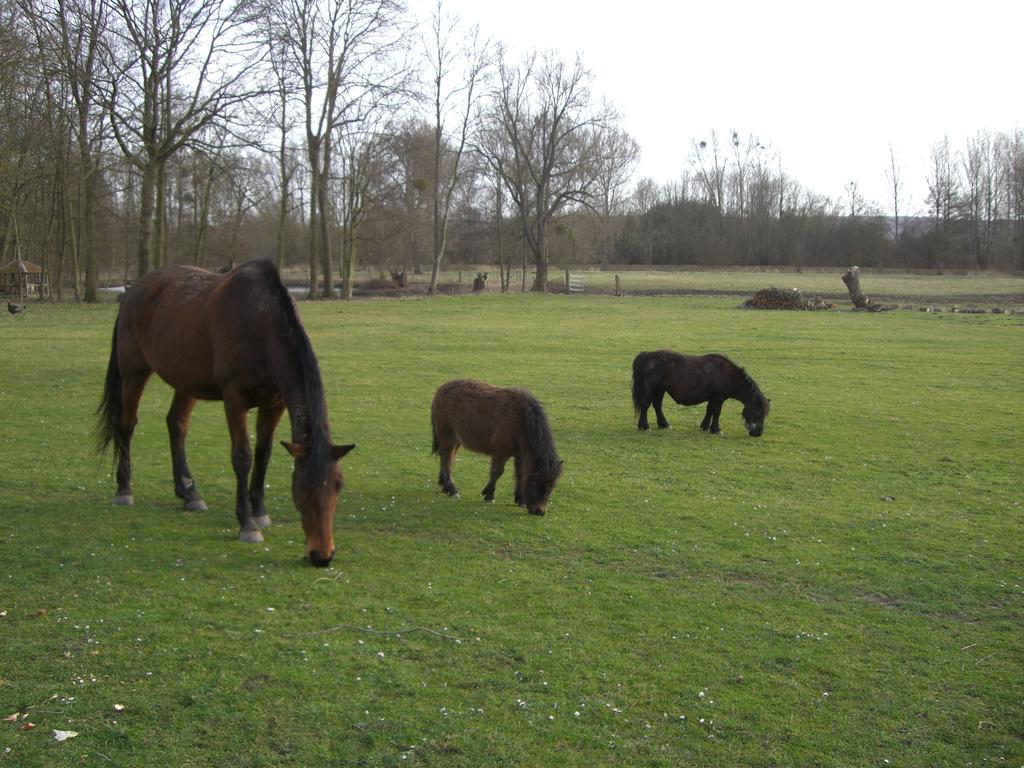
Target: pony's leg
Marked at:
656, 402
497, 469
266, 423
444, 479
236, 410
131, 393
519, 498
714, 410
177, 428
642, 408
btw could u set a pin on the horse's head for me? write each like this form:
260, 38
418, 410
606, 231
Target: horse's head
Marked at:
315, 490
755, 411
538, 486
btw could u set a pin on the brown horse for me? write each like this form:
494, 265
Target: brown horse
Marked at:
502, 423
238, 338
693, 379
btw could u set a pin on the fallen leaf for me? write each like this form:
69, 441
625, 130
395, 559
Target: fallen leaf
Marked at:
3, 613
40, 611
27, 727
63, 735
119, 707
11, 718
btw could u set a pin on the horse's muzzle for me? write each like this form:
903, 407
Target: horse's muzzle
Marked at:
755, 431
320, 562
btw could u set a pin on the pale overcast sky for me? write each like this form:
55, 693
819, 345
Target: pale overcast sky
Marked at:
829, 85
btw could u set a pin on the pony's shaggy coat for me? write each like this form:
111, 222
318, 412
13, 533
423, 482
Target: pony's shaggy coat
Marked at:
504, 423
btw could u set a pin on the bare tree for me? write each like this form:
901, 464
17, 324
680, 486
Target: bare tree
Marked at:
340, 51
458, 60
176, 67
543, 139
710, 165
71, 33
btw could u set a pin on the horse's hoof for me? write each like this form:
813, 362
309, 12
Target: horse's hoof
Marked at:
124, 500
252, 537
196, 505
263, 521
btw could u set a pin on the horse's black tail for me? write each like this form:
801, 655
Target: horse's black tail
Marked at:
433, 433
638, 380
112, 405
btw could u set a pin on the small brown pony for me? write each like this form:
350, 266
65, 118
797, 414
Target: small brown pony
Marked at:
502, 422
235, 337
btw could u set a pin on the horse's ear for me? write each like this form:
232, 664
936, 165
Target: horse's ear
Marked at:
337, 451
297, 450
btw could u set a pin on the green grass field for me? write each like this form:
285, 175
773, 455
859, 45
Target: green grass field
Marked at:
844, 591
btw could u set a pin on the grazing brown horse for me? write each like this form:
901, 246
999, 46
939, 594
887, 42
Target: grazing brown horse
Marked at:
238, 338
693, 379
502, 422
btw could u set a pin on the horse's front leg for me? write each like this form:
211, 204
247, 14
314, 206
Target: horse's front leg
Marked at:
236, 409
497, 469
711, 414
177, 429
656, 402
266, 422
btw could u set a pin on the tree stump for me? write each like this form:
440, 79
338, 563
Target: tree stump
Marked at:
852, 280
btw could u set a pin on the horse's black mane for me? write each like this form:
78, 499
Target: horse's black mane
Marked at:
538, 435
314, 416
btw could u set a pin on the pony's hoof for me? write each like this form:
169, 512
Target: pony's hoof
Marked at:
252, 537
124, 500
196, 505
263, 521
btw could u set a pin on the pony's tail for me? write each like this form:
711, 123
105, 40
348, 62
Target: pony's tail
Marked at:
638, 380
112, 405
436, 445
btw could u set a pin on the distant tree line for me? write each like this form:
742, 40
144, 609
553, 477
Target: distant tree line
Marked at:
336, 136
736, 205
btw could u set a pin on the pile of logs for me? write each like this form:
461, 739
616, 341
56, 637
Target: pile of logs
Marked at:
778, 298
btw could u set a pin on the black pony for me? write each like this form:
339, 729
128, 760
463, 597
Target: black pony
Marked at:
693, 379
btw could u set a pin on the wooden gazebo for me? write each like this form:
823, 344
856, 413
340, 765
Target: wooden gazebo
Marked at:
24, 279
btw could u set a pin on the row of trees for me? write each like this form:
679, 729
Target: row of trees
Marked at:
137, 133
334, 133
736, 204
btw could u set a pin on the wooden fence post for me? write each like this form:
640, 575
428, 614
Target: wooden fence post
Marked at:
618, 286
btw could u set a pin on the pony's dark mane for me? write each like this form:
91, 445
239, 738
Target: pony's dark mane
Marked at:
538, 434
314, 416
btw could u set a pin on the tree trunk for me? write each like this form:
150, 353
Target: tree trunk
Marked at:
282, 211
146, 195
852, 280
160, 217
314, 233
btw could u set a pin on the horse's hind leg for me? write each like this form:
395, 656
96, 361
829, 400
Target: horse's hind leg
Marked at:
236, 409
497, 469
518, 497
444, 478
131, 393
266, 423
177, 428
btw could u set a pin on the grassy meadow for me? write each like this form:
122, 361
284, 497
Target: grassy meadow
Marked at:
845, 591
